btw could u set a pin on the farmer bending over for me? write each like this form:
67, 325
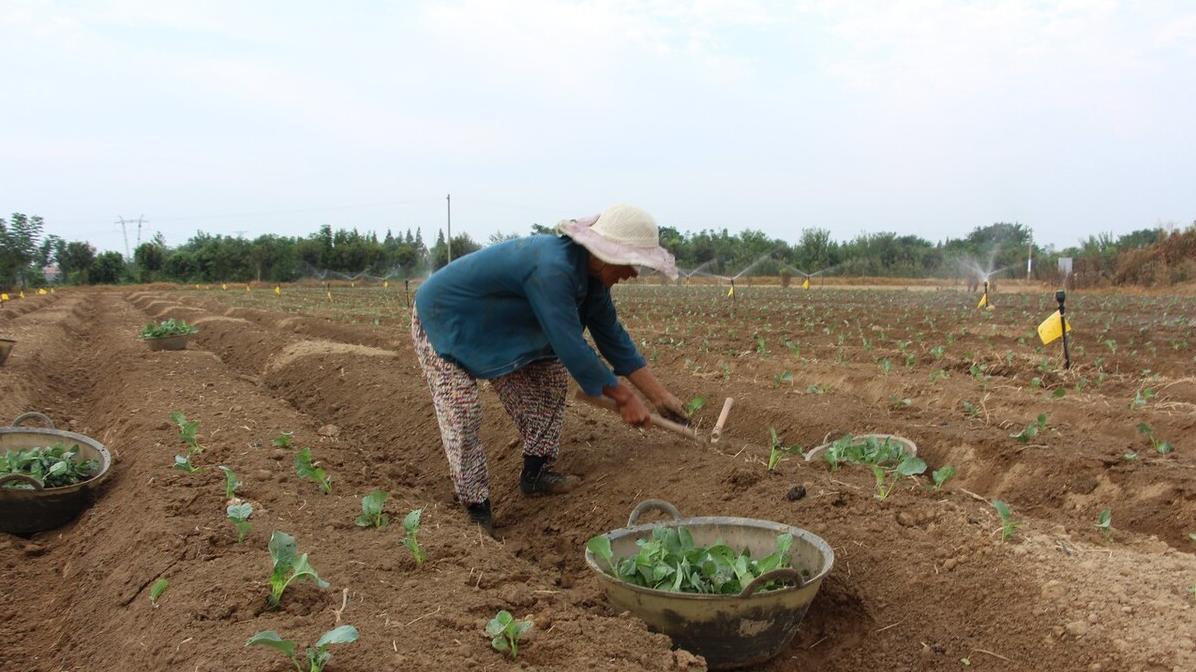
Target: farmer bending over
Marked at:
514, 314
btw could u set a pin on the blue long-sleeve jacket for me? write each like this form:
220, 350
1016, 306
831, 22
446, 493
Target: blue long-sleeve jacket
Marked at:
510, 304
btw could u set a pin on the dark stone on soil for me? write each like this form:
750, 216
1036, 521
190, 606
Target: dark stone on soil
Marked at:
795, 493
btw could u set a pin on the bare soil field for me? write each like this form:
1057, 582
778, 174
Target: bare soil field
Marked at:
923, 579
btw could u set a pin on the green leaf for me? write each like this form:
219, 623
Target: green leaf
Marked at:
157, 589
498, 624
411, 521
340, 635
911, 466
600, 547
272, 639
500, 643
941, 475
240, 511
231, 482
283, 550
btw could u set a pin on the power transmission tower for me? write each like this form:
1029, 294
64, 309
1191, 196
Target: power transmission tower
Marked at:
124, 230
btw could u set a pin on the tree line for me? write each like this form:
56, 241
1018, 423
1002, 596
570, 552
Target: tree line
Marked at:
27, 253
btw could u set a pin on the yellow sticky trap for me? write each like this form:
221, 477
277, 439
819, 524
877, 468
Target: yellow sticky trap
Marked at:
983, 301
352, 284
1051, 328
247, 288
329, 293
197, 285
385, 284
42, 291
805, 284
4, 296
224, 286
731, 292
22, 294
277, 290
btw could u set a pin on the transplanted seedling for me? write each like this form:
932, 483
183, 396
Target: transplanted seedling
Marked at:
238, 514
371, 510
156, 591
1161, 447
306, 468
1104, 523
941, 475
411, 538
188, 431
317, 656
231, 482
887, 479
1009, 526
283, 440
289, 566
183, 463
779, 450
1032, 430
505, 632
694, 405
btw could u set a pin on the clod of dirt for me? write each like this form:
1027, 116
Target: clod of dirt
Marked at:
330, 431
742, 478
796, 493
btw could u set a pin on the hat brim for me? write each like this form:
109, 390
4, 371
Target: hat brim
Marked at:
655, 257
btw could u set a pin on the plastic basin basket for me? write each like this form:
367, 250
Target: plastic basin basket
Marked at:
25, 511
730, 631
168, 342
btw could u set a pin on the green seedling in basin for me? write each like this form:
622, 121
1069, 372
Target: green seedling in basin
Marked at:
183, 463
54, 466
231, 482
1104, 523
941, 475
1032, 430
869, 451
371, 510
306, 468
411, 536
505, 632
165, 329
188, 431
887, 479
317, 656
238, 514
289, 566
669, 560
156, 590
1009, 526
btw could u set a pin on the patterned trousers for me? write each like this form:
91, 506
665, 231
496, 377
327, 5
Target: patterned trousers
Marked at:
534, 397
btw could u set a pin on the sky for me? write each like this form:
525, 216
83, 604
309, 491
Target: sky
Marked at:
925, 117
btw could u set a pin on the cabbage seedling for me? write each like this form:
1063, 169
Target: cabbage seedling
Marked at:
505, 632
55, 466
283, 440
288, 566
305, 468
778, 450
188, 431
1032, 430
941, 475
238, 515
909, 466
183, 463
1009, 526
371, 510
1104, 523
231, 482
156, 591
694, 405
1161, 447
317, 656
165, 329
410, 540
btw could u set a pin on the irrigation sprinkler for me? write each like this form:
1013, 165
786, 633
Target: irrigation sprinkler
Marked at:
407, 292
1061, 296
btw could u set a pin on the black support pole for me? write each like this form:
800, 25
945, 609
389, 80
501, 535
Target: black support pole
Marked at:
1061, 296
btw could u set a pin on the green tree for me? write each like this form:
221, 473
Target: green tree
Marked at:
108, 269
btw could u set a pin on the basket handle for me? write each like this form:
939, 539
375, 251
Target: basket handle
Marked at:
37, 485
652, 505
783, 574
34, 415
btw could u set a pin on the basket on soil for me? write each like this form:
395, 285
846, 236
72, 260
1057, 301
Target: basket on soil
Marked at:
167, 335
729, 630
6, 345
27, 503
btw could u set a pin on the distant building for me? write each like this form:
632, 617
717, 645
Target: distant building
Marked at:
51, 273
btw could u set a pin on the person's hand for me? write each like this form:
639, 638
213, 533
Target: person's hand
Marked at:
634, 412
671, 408
630, 407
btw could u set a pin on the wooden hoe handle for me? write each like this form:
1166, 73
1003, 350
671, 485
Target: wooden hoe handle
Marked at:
657, 421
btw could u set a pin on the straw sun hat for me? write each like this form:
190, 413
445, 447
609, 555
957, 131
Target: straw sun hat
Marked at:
622, 234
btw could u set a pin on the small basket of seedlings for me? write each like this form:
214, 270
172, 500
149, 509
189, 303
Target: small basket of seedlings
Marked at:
167, 334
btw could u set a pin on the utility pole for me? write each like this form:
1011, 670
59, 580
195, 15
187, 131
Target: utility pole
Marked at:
124, 230
1030, 255
139, 220
448, 202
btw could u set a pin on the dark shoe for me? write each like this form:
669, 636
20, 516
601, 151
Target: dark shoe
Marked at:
480, 514
546, 482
